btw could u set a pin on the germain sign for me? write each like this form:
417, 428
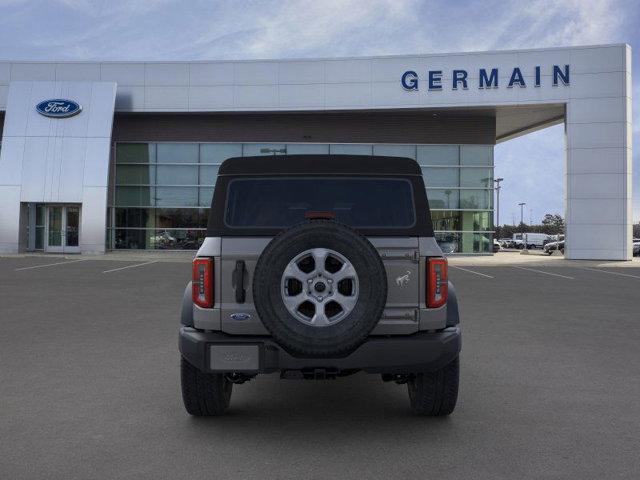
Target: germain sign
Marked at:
58, 108
487, 78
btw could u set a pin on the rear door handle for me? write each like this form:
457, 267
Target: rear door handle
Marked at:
238, 281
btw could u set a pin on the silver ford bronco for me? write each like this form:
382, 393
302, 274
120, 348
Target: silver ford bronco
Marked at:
316, 267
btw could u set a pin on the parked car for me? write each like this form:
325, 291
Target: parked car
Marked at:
552, 246
506, 242
496, 246
636, 247
448, 244
308, 265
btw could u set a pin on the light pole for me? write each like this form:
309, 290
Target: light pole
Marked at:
497, 181
522, 213
524, 240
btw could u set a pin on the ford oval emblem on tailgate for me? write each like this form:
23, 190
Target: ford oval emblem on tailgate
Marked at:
240, 317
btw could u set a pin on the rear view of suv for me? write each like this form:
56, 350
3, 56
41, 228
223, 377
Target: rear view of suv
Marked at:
315, 267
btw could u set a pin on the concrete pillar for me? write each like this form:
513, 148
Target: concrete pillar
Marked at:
598, 169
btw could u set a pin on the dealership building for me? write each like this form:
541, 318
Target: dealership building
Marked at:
99, 156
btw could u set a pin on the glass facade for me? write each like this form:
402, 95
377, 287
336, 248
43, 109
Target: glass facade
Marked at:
162, 191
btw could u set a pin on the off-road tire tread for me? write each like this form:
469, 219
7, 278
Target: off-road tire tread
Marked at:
204, 394
435, 394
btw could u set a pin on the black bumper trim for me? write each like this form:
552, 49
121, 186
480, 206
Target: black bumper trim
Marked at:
419, 352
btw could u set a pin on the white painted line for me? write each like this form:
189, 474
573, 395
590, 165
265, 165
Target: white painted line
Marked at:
471, 271
49, 265
610, 273
544, 273
130, 266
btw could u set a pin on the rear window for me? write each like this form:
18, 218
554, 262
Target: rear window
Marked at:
282, 202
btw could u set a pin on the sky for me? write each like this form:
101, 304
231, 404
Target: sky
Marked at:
532, 165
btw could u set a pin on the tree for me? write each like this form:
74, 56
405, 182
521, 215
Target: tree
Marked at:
552, 224
553, 220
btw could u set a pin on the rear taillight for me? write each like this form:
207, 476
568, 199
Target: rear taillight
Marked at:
202, 282
437, 282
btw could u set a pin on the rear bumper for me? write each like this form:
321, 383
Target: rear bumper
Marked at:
219, 352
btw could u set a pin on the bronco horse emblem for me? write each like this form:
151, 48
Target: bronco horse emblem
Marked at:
403, 280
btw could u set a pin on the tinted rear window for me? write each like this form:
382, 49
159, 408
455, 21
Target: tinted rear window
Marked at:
282, 202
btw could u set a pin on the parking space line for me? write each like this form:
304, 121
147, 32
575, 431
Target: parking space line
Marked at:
544, 273
130, 266
471, 271
49, 265
610, 273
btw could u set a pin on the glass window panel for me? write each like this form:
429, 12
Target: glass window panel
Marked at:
476, 177
441, 177
39, 238
132, 239
381, 203
219, 152
135, 152
177, 196
135, 174
134, 217
307, 148
177, 175
134, 196
178, 152
205, 196
40, 218
448, 198
449, 242
476, 221
480, 199
73, 226
253, 149
438, 155
208, 174
476, 155
477, 242
181, 217
445, 220
176, 239
341, 149
406, 151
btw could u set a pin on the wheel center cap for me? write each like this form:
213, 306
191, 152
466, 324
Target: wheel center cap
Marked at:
320, 287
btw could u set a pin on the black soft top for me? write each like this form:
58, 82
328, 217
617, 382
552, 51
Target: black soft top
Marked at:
320, 165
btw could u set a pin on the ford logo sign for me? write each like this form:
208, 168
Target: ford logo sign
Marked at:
240, 316
58, 108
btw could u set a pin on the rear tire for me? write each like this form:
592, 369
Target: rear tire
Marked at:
434, 394
204, 394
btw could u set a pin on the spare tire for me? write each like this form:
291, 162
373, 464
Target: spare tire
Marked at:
319, 288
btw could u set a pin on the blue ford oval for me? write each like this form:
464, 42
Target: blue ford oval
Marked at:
58, 108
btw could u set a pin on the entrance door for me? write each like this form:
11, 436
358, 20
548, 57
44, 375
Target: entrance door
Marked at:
54, 230
63, 228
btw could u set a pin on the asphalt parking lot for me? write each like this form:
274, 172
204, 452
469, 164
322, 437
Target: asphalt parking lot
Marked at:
89, 382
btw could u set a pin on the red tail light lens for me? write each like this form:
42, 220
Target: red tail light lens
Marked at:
202, 282
437, 282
